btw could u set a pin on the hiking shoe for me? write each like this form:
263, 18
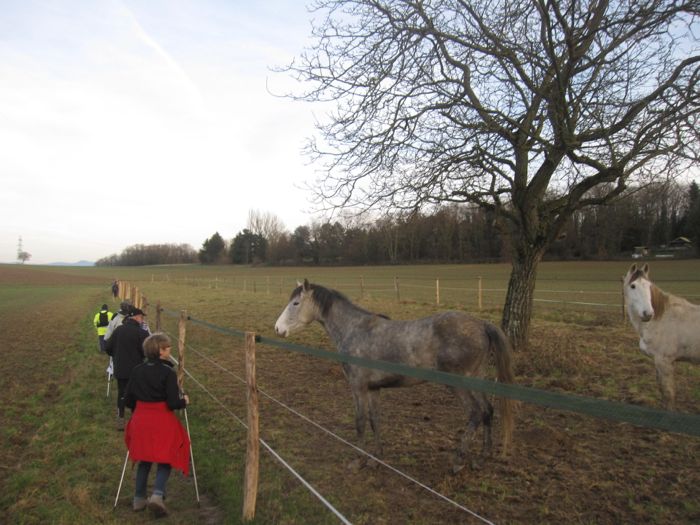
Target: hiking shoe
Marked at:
157, 506
139, 504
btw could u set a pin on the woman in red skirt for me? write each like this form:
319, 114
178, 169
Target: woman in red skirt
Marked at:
154, 434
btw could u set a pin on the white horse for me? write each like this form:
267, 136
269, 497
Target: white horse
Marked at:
668, 327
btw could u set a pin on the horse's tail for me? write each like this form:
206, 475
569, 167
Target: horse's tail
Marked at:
502, 351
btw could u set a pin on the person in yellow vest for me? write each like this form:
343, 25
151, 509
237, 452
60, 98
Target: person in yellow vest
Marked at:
102, 319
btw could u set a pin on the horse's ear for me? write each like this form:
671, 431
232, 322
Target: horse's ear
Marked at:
645, 270
307, 286
299, 283
633, 268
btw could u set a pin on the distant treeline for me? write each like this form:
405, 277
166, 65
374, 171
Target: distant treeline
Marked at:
142, 255
652, 216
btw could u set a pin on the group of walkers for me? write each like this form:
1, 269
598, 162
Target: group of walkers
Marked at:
147, 385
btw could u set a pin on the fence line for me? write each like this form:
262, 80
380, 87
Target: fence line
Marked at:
637, 415
385, 286
641, 416
345, 441
272, 452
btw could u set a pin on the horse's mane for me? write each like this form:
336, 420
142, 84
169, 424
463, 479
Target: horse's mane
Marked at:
659, 300
325, 298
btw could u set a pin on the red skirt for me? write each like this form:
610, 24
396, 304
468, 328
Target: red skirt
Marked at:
155, 434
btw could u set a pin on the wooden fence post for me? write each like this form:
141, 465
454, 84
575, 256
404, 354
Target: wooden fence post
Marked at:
158, 321
252, 458
437, 292
479, 292
624, 311
396, 289
362, 287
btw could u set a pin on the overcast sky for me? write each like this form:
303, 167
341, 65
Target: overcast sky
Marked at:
143, 122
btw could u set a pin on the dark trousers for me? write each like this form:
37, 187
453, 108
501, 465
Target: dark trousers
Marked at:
162, 474
101, 339
121, 389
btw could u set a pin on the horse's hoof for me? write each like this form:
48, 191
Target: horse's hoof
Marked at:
457, 468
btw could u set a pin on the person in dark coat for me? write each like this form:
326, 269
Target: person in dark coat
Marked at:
126, 348
154, 434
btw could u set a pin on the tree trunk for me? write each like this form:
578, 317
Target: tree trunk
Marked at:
517, 310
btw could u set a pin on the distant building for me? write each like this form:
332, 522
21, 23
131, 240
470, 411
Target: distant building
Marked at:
680, 243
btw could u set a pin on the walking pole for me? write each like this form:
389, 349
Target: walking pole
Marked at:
180, 382
126, 459
109, 375
194, 470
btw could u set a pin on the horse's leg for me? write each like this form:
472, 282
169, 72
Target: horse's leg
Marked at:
486, 420
374, 420
478, 414
360, 397
665, 380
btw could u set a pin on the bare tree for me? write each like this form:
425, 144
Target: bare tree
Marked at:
266, 224
520, 107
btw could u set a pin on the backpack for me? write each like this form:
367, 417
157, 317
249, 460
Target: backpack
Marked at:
104, 319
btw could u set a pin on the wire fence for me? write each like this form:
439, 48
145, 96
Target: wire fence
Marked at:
476, 293
633, 414
642, 416
327, 431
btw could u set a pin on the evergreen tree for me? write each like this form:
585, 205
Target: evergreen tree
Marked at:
693, 215
248, 248
213, 249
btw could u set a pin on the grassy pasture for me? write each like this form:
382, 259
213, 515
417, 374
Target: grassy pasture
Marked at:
558, 282
566, 467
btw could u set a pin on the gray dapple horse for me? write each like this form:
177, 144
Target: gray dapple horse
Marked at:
451, 341
668, 327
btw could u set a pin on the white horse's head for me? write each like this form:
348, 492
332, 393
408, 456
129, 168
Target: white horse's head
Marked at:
637, 290
299, 312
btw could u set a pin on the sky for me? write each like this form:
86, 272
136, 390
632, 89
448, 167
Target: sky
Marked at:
147, 122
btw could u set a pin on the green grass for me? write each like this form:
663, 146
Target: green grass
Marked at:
66, 455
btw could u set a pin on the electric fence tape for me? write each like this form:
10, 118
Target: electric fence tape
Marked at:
636, 415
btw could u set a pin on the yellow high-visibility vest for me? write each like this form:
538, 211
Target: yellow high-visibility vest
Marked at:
102, 329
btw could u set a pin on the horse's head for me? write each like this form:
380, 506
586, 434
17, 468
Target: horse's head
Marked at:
300, 311
638, 292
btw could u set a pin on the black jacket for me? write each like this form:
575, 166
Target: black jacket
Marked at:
126, 347
154, 380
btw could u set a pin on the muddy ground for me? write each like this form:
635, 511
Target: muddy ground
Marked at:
564, 468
